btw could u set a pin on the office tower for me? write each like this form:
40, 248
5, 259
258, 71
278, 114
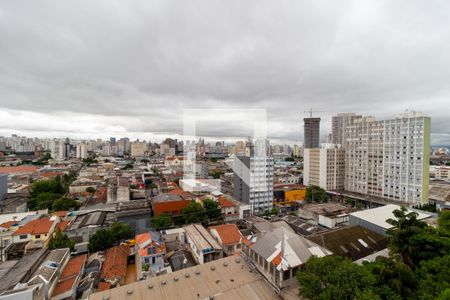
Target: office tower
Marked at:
82, 152
324, 167
338, 125
112, 140
137, 149
253, 182
389, 158
312, 132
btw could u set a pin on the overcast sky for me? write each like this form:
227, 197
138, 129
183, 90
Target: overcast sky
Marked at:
129, 68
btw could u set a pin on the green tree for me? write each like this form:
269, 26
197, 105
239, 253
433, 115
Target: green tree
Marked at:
333, 277
414, 240
61, 240
43, 200
101, 240
65, 203
194, 213
212, 209
90, 189
433, 277
444, 222
53, 185
121, 231
161, 221
315, 193
394, 279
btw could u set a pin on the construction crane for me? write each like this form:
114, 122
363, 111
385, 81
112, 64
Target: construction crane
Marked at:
310, 112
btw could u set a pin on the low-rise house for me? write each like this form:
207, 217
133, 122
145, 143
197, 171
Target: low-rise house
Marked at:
86, 223
173, 161
228, 236
114, 269
36, 230
202, 245
230, 208
172, 203
66, 288
279, 253
150, 253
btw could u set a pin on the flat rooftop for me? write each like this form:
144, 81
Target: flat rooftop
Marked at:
379, 215
227, 278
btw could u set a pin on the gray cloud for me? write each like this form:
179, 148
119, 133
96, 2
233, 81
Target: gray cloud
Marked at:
115, 67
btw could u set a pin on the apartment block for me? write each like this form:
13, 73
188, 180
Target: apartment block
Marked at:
324, 167
338, 125
137, 149
389, 158
253, 182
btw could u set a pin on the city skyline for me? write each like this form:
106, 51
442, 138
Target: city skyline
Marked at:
68, 76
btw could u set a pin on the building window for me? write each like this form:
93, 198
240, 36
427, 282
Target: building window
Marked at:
23, 236
37, 236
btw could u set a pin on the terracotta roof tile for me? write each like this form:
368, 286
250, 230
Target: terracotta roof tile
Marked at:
18, 169
39, 226
8, 224
224, 202
115, 264
103, 286
229, 233
277, 259
64, 286
73, 267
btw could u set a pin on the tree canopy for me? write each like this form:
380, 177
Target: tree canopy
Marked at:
194, 213
315, 193
161, 221
65, 203
101, 240
60, 240
212, 209
121, 231
418, 266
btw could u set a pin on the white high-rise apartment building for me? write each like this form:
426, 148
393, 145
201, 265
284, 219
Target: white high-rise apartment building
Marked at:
82, 151
389, 158
256, 186
324, 167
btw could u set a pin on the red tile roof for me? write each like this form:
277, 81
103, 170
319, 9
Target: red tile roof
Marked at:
64, 286
70, 273
62, 225
38, 226
228, 233
115, 264
277, 259
224, 202
8, 224
73, 267
142, 238
18, 169
103, 286
170, 207
49, 174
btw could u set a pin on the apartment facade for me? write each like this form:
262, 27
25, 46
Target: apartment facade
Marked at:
338, 125
137, 149
256, 186
389, 158
324, 167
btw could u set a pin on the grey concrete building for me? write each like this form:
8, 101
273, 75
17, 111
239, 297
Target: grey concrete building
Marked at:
312, 132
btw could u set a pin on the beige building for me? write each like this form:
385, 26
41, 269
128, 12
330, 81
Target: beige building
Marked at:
442, 173
137, 149
324, 167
